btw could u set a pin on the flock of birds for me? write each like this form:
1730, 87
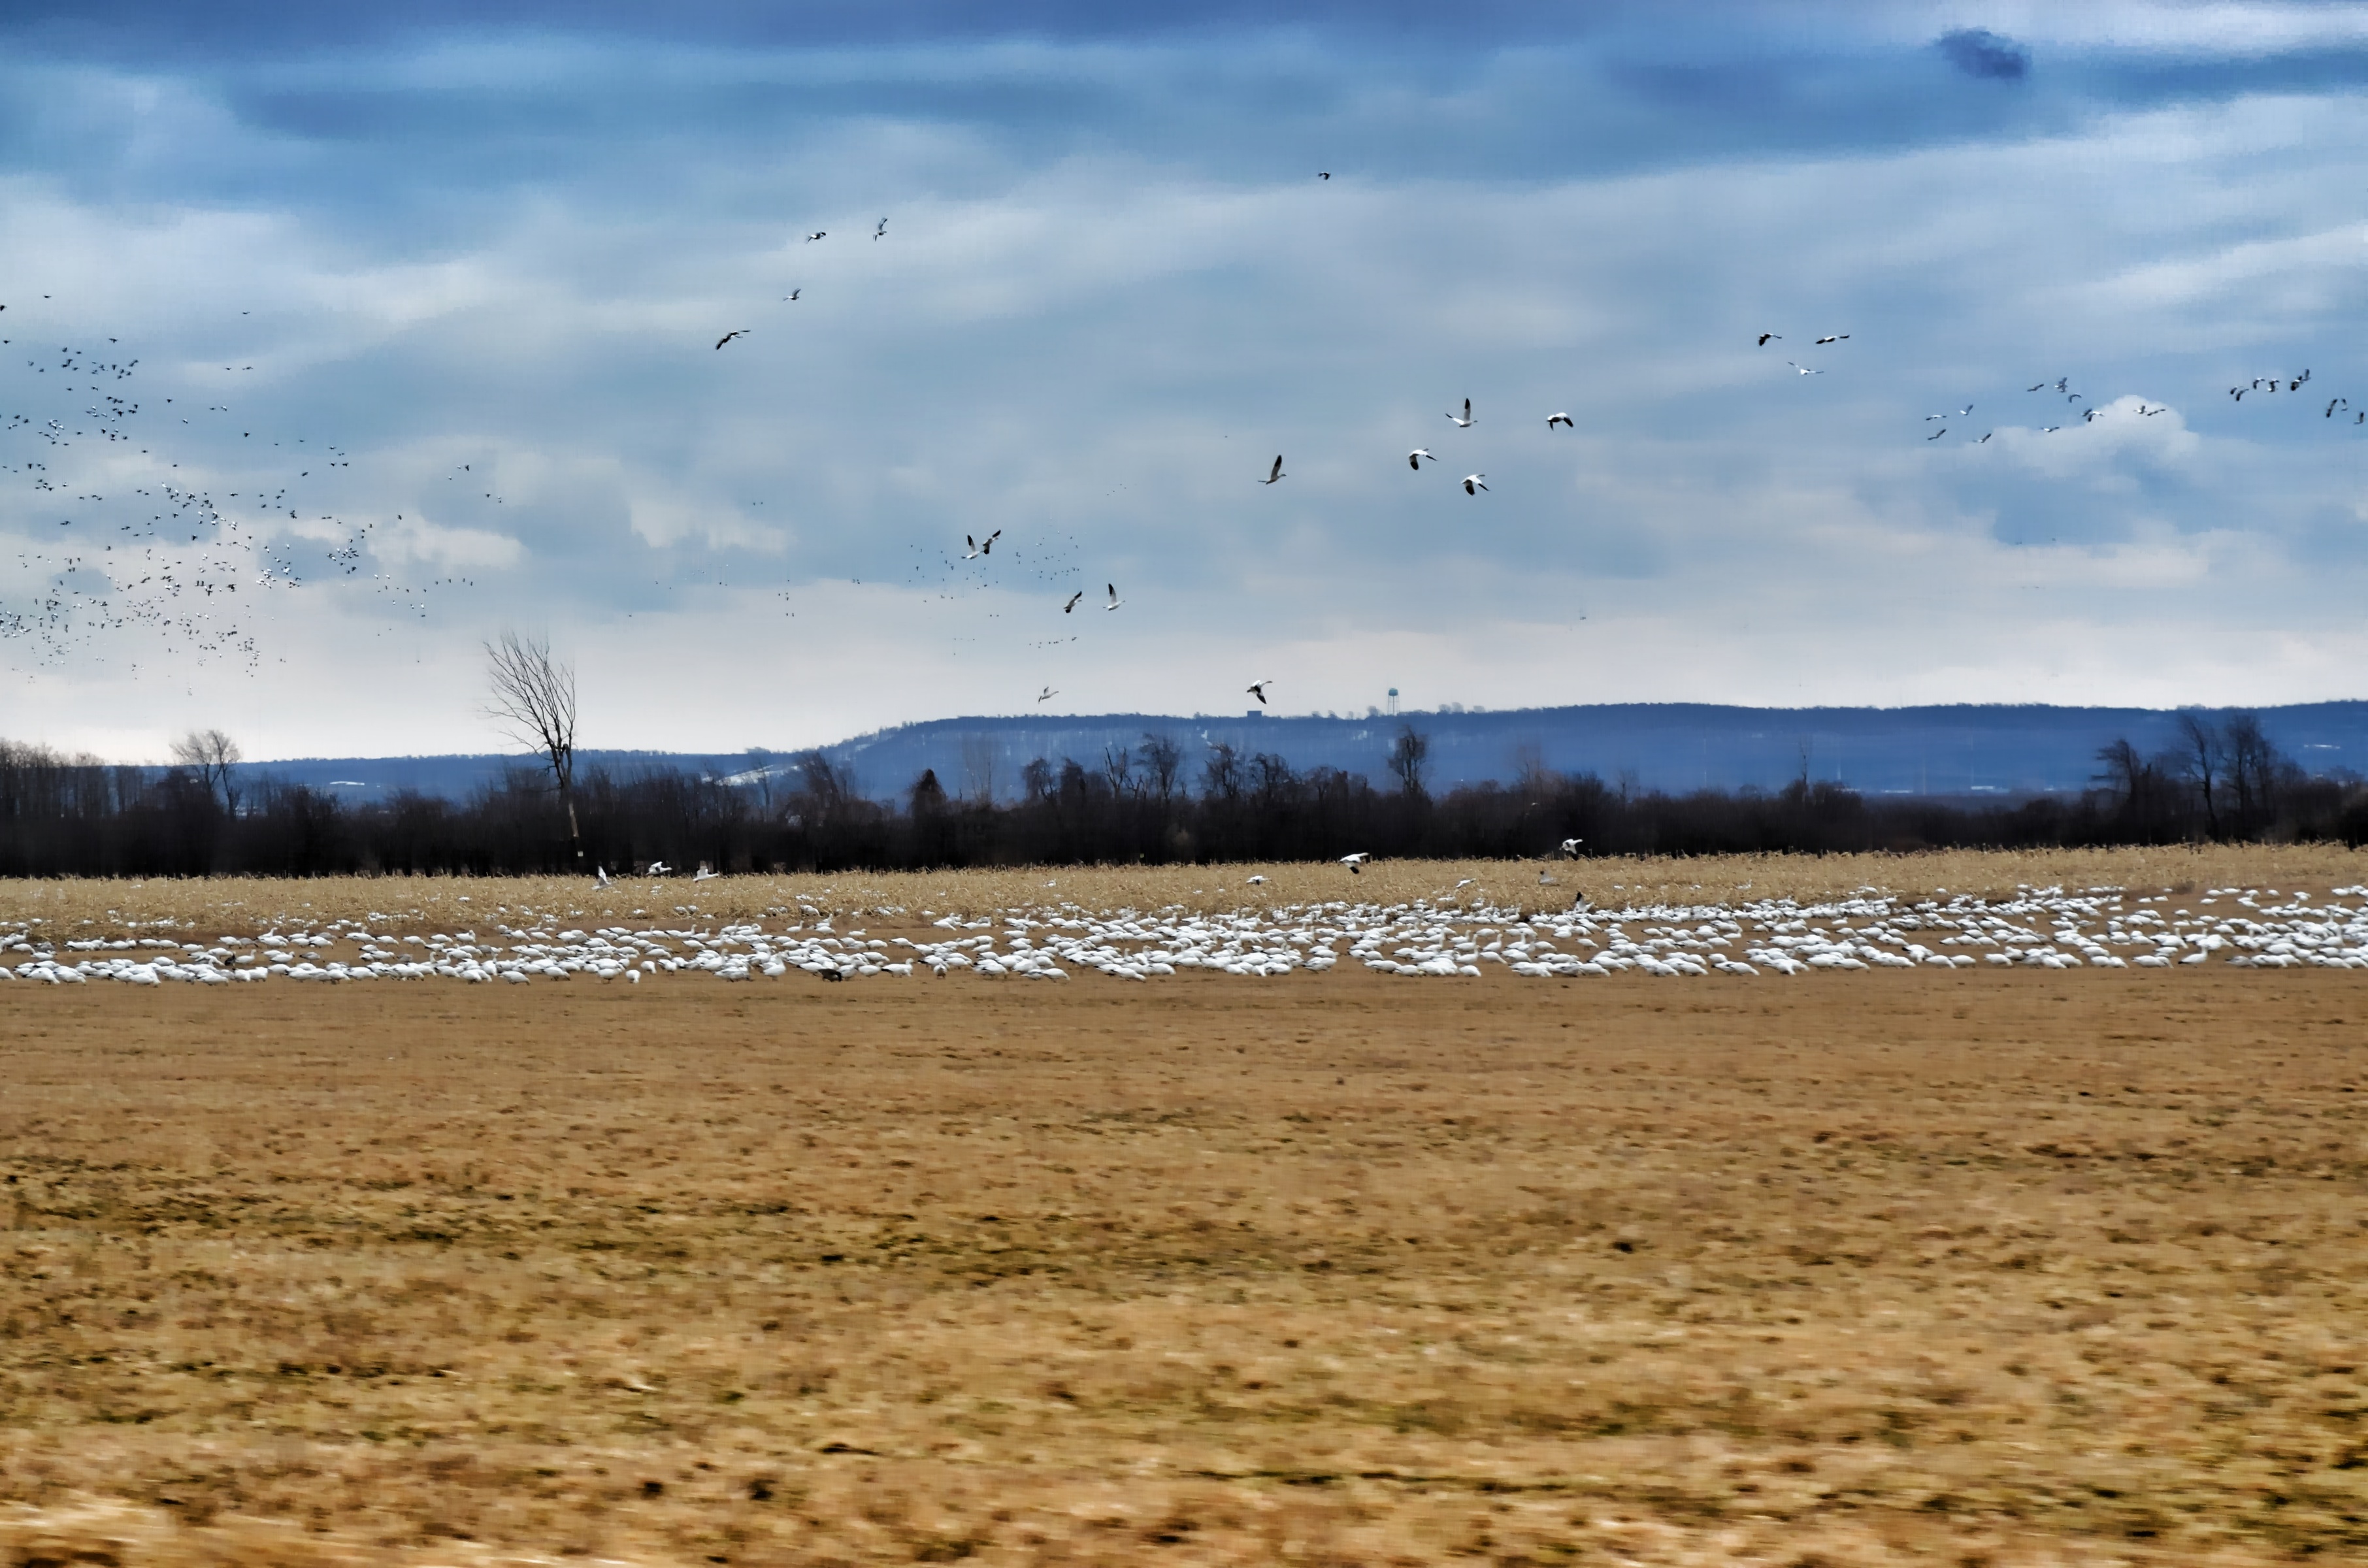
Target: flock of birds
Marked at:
1439, 937
182, 560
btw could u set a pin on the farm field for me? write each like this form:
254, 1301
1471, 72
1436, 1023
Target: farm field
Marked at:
1966, 1266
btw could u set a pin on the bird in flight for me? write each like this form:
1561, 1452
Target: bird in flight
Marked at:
1986, 435
881, 229
1325, 175
817, 235
1465, 422
1414, 458
1804, 368
977, 550
728, 336
2041, 387
1276, 472
1471, 485
1258, 688
1046, 695
1766, 335
1112, 588
2338, 403
1836, 337
1356, 863
1072, 601
1554, 419
1938, 434
793, 296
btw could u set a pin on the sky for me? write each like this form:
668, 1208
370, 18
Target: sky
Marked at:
340, 340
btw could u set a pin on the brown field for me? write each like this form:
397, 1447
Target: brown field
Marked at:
242, 905
1977, 1267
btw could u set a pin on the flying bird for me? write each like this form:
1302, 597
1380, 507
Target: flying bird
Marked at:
1414, 458
1114, 600
1325, 175
1554, 419
1836, 337
1258, 688
1986, 435
1356, 863
728, 336
1938, 434
2338, 403
1072, 601
2041, 387
817, 235
793, 296
1276, 472
976, 549
1046, 695
883, 228
1804, 368
1766, 335
1465, 422
1471, 485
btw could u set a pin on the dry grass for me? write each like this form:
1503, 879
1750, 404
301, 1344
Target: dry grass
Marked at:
1996, 1267
241, 906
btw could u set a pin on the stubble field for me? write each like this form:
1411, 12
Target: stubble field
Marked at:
1965, 1267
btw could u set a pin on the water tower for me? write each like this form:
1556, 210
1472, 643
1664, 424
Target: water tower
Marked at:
1394, 702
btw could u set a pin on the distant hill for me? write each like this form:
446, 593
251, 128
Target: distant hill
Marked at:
1954, 751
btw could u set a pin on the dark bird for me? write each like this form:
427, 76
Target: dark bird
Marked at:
1072, 601
1277, 471
818, 233
1766, 335
1325, 175
728, 336
793, 296
881, 230
1938, 434
2338, 403
1837, 337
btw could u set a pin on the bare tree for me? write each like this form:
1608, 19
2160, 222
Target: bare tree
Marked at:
534, 701
1118, 767
2199, 755
1409, 755
211, 755
1164, 760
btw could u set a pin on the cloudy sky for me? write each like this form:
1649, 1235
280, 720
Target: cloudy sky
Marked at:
433, 291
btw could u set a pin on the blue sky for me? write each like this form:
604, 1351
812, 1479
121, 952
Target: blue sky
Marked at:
484, 253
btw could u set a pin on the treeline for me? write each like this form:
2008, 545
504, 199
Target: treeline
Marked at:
79, 816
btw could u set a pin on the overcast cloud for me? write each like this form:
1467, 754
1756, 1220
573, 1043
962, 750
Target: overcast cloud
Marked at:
1111, 289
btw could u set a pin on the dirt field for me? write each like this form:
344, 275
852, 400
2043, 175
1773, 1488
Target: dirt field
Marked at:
1972, 1266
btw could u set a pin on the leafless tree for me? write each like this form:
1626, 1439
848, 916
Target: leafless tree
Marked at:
1221, 774
1163, 760
534, 701
1409, 755
2252, 766
2201, 757
1118, 767
979, 755
211, 755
